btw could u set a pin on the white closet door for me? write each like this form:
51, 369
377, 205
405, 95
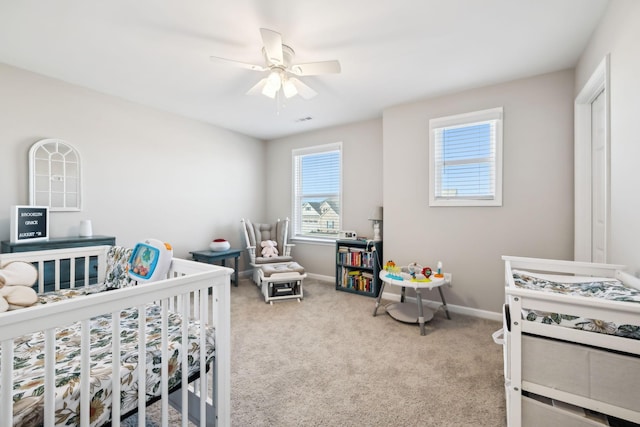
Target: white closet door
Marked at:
599, 156
592, 168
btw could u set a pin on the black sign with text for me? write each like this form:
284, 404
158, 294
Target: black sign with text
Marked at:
31, 223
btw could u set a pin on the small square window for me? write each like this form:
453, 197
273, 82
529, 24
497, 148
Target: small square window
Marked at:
465, 153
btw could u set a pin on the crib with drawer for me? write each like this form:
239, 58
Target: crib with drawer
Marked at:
57, 363
571, 340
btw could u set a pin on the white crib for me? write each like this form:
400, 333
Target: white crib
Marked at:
193, 291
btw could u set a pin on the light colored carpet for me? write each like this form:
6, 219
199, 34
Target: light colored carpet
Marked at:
132, 421
326, 361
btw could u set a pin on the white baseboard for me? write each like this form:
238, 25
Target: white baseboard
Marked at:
322, 277
468, 311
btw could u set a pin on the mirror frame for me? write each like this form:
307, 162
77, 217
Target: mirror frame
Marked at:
55, 175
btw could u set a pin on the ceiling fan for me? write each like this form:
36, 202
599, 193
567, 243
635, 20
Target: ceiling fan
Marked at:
283, 74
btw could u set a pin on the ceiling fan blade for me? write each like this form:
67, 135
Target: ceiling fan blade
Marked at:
316, 68
257, 88
303, 90
239, 64
272, 42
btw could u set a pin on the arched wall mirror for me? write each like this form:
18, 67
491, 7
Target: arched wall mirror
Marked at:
54, 174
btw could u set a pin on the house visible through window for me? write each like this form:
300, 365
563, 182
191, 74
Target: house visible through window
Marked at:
466, 159
317, 189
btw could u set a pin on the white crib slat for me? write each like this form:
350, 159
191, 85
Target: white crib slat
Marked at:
221, 373
184, 382
49, 377
203, 356
196, 305
40, 277
115, 369
142, 365
85, 372
6, 380
164, 368
87, 263
72, 272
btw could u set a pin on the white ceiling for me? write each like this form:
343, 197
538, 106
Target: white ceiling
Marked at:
156, 52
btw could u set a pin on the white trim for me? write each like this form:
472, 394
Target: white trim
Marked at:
322, 277
598, 82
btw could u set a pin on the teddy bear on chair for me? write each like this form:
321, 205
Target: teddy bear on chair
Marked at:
269, 248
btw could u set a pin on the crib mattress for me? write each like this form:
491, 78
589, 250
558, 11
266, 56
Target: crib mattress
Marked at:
605, 288
29, 364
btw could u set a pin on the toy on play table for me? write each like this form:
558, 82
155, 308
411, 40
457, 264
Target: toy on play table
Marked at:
439, 273
390, 267
414, 273
414, 268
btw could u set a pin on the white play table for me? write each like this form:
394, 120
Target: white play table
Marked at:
409, 312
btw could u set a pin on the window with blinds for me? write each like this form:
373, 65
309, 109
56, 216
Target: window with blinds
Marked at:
317, 191
465, 153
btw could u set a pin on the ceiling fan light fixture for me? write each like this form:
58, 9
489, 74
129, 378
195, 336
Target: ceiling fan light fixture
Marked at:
274, 80
269, 91
282, 79
289, 89
273, 84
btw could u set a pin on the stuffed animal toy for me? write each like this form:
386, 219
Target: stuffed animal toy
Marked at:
269, 248
16, 279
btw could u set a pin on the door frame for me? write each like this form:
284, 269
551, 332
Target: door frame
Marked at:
598, 82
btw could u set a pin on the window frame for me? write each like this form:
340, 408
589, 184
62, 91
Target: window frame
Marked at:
296, 199
463, 120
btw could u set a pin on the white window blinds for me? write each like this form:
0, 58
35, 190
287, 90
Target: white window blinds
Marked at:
317, 189
466, 159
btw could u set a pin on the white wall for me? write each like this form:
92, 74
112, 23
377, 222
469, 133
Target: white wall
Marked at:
536, 218
618, 35
146, 173
362, 184
390, 158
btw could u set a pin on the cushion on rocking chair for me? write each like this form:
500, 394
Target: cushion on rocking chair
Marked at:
273, 259
291, 267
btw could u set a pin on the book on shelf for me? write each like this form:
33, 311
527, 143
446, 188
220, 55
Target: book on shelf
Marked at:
356, 280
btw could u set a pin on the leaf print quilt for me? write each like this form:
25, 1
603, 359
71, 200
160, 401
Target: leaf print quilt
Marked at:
605, 288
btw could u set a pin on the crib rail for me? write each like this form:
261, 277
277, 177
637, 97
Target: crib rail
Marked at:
91, 256
196, 291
